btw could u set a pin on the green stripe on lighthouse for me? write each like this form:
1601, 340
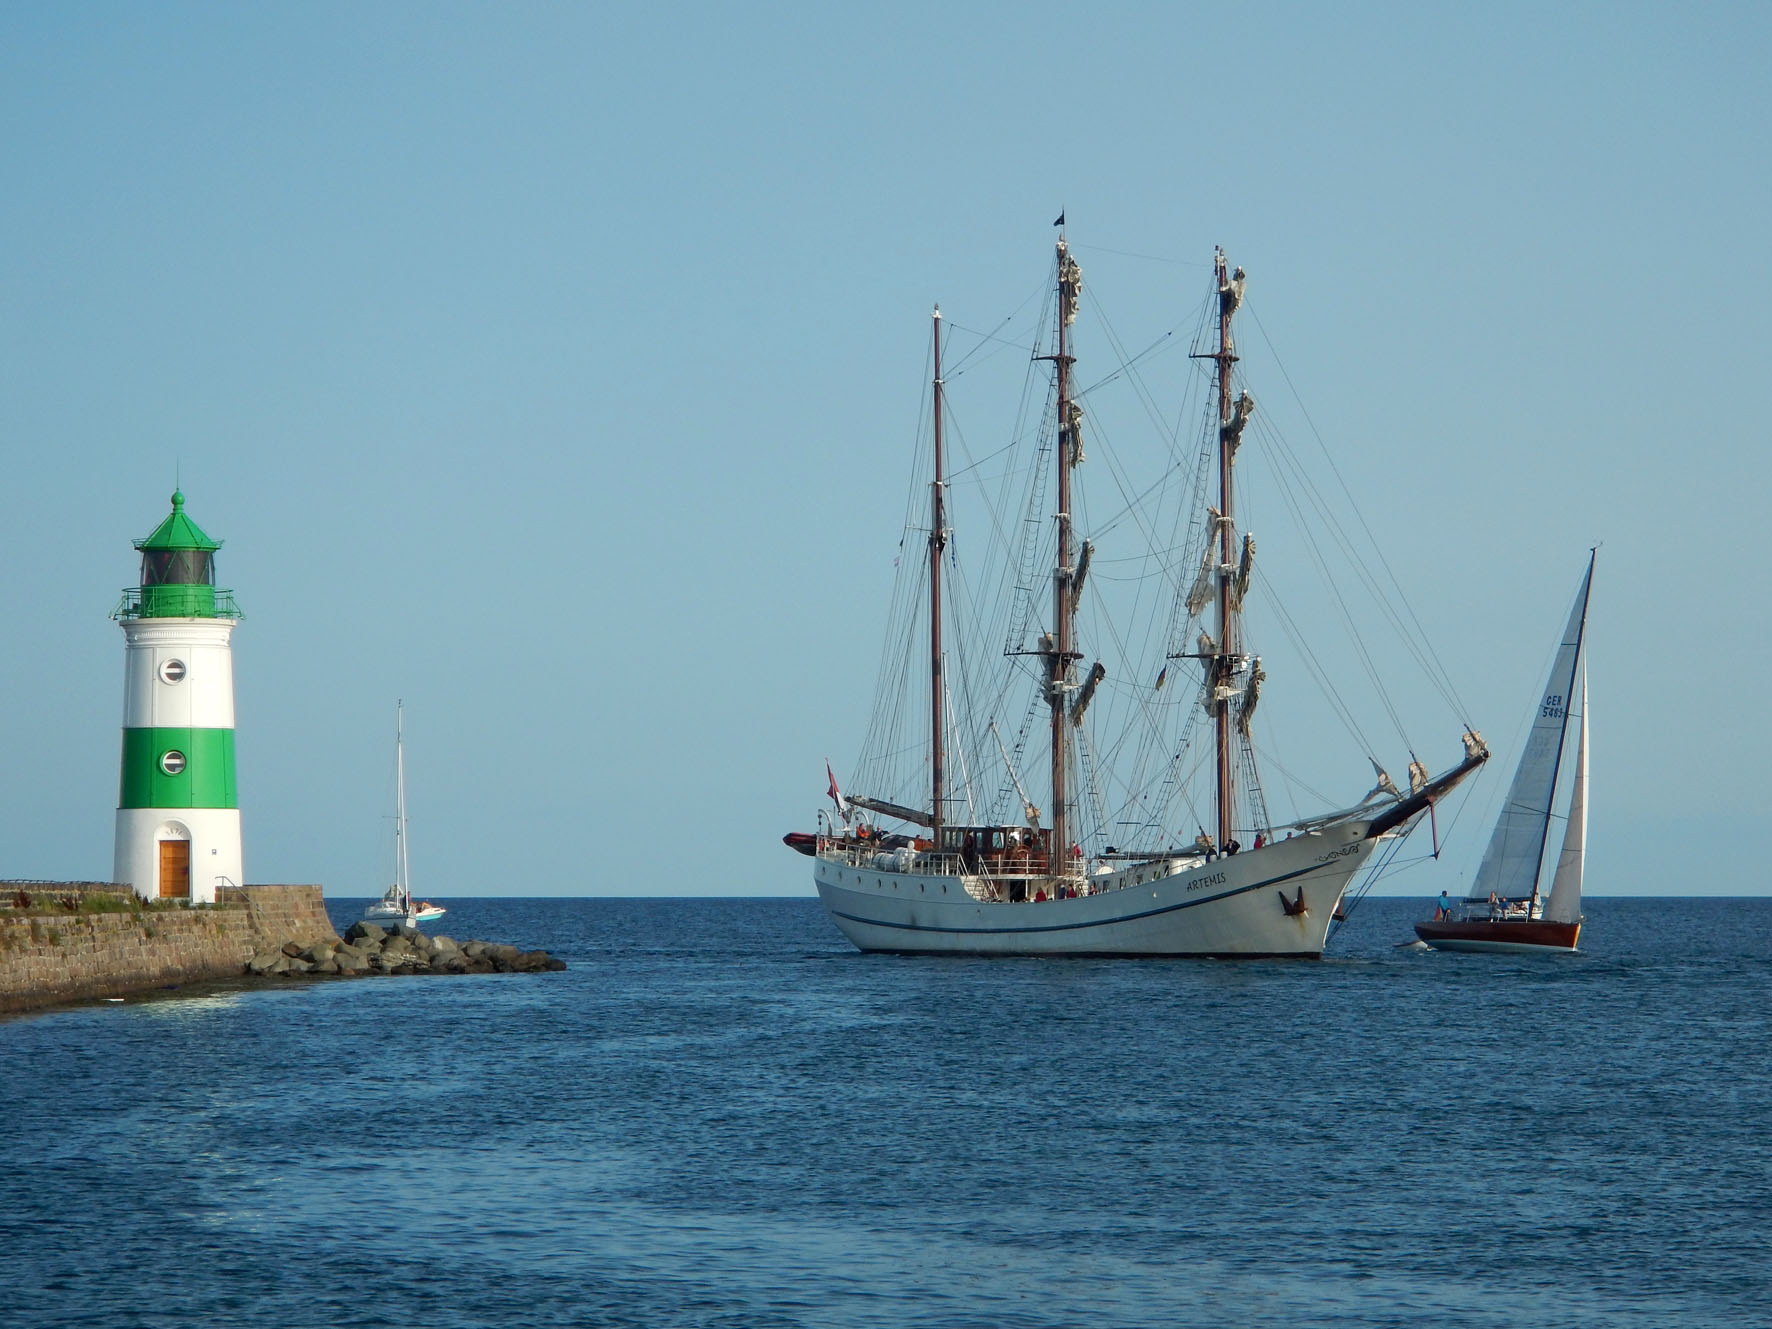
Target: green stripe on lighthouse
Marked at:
204, 779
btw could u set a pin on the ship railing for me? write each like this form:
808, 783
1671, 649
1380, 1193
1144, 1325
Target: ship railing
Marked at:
921, 862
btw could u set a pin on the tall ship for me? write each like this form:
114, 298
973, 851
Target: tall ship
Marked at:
1083, 779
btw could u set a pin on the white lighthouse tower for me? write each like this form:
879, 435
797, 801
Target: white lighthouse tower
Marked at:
178, 815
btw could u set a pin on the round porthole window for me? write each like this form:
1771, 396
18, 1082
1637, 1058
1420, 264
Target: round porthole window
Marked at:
172, 671
173, 763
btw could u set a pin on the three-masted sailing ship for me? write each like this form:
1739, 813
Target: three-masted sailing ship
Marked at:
1506, 908
1019, 881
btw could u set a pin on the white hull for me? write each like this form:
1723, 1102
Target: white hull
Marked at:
1240, 905
388, 916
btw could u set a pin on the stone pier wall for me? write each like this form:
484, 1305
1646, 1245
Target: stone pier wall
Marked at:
78, 941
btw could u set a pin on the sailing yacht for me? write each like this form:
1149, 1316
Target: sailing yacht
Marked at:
396, 908
974, 865
1505, 909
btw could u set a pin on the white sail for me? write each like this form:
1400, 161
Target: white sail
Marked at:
1565, 893
1511, 864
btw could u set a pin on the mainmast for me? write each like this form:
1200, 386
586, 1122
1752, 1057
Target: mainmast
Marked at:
1230, 295
937, 543
1062, 653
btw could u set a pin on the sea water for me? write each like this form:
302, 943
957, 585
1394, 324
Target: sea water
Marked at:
722, 1115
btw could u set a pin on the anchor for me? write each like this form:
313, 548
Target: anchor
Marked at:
1293, 908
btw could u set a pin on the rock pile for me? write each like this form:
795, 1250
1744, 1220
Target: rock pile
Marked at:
369, 949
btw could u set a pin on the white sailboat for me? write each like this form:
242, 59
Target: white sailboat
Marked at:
1504, 909
396, 908
969, 877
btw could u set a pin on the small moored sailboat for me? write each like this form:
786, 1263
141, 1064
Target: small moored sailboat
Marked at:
1505, 910
397, 908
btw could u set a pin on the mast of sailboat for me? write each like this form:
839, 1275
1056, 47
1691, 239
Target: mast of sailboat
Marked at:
1070, 281
1227, 646
937, 542
402, 883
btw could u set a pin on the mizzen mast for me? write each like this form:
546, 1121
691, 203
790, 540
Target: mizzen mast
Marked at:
1061, 652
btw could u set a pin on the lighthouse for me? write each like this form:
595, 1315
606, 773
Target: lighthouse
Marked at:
178, 816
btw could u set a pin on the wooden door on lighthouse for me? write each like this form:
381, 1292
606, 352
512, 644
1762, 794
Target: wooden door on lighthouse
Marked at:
175, 869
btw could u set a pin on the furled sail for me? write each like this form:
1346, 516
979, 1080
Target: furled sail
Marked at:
1385, 784
1070, 284
1201, 593
1511, 864
887, 808
1074, 431
1245, 566
1231, 431
1418, 776
1206, 584
1081, 574
1564, 905
1230, 295
1251, 695
1087, 695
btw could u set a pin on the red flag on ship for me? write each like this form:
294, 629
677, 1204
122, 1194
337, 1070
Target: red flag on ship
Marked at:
835, 793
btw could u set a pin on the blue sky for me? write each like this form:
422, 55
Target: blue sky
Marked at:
553, 367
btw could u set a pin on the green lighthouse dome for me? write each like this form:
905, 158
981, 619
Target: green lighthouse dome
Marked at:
178, 573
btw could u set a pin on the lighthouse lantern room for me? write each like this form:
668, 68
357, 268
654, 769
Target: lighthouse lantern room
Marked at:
178, 816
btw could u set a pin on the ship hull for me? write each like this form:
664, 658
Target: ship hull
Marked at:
1514, 936
1275, 901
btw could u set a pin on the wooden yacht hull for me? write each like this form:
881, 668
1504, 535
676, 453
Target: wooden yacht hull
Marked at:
1504, 935
1274, 901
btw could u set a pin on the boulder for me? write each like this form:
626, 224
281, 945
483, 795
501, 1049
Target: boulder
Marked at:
366, 932
328, 965
319, 953
351, 961
531, 962
263, 962
292, 949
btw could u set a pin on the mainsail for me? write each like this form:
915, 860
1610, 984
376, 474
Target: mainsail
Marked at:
1511, 864
1565, 894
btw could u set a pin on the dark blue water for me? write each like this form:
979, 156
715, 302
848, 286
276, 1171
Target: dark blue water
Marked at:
723, 1116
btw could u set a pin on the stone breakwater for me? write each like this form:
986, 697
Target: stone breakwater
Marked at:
63, 942
369, 949
76, 941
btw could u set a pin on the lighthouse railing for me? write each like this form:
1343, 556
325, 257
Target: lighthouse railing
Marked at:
173, 601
